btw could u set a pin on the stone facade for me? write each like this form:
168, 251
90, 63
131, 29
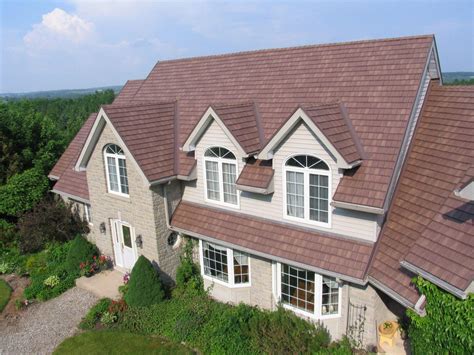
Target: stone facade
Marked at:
143, 209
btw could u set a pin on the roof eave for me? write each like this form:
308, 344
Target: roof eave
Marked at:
360, 208
436, 280
70, 196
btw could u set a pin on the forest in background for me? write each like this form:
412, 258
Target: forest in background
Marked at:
33, 135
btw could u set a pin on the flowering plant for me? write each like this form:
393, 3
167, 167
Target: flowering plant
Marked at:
52, 281
126, 278
90, 267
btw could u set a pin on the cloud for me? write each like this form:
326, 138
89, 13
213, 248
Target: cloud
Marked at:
56, 28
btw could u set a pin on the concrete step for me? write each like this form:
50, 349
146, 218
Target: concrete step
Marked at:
103, 284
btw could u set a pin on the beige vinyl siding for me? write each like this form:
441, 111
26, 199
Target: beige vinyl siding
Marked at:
300, 141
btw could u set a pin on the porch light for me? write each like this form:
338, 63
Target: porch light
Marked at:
139, 241
102, 228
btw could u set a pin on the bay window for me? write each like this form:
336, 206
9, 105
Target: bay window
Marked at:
307, 189
307, 292
224, 265
220, 169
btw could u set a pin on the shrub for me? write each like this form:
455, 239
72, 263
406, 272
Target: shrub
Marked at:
145, 286
5, 292
108, 318
51, 281
188, 274
50, 221
215, 327
8, 233
95, 314
447, 327
80, 251
12, 261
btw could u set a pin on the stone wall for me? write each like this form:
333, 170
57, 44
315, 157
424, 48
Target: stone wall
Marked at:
143, 209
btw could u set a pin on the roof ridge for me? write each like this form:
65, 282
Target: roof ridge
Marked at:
137, 104
321, 45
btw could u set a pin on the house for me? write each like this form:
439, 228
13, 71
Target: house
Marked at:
320, 177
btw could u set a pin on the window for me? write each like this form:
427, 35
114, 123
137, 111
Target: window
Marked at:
87, 213
307, 292
116, 166
307, 189
220, 167
225, 265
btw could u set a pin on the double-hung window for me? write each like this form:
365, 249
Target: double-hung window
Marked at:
220, 167
116, 167
225, 265
307, 188
307, 292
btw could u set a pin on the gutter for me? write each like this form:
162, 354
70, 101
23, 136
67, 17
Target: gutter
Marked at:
163, 180
403, 301
437, 281
53, 177
361, 208
271, 257
257, 190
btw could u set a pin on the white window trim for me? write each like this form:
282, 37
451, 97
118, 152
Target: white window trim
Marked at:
230, 266
307, 172
221, 177
318, 283
106, 163
87, 213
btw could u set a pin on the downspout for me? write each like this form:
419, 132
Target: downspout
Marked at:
165, 201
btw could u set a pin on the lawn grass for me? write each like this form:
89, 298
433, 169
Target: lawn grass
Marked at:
114, 342
5, 292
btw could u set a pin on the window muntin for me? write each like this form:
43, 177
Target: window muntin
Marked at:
307, 292
116, 166
225, 265
241, 268
330, 296
220, 166
297, 287
215, 261
307, 189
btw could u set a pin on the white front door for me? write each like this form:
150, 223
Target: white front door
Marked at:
124, 248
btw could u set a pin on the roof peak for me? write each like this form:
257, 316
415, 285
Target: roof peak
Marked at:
279, 49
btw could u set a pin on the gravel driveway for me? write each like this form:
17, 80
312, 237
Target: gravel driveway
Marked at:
45, 325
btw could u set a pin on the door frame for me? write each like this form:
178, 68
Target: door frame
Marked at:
117, 240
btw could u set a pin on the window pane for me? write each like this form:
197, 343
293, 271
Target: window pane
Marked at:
229, 176
127, 238
297, 287
215, 261
123, 175
241, 267
212, 177
295, 194
113, 179
318, 198
330, 302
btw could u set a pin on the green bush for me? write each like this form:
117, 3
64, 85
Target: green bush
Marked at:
57, 261
447, 327
144, 287
12, 261
218, 328
80, 251
8, 233
95, 314
188, 274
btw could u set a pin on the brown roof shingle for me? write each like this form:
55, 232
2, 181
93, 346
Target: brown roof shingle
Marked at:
148, 132
128, 91
428, 225
332, 120
70, 181
377, 81
256, 173
323, 251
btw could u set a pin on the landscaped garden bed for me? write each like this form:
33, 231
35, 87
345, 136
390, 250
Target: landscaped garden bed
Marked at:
5, 292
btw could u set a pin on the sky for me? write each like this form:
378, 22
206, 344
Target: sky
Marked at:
49, 45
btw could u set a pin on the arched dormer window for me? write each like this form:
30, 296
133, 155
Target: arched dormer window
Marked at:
307, 188
220, 174
116, 167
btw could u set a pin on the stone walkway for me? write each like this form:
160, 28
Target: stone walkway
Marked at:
103, 284
43, 326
